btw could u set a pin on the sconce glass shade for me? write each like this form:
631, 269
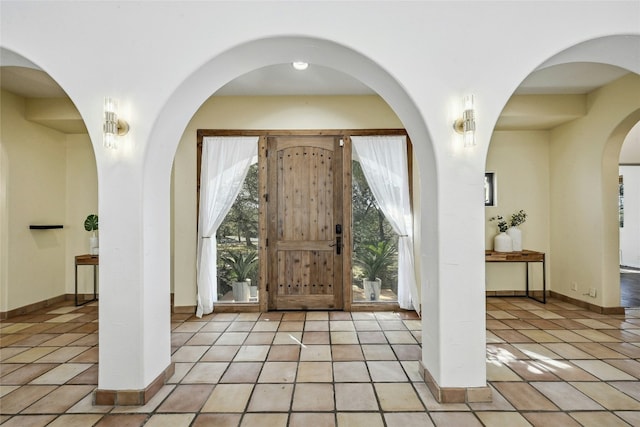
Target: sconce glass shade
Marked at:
467, 124
112, 126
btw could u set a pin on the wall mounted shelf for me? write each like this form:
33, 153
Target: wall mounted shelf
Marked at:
44, 227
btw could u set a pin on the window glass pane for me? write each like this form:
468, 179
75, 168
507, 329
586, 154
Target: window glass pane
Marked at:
375, 246
238, 245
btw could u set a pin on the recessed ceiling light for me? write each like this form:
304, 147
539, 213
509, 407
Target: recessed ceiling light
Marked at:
300, 65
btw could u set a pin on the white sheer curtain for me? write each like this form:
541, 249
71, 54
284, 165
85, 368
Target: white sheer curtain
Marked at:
384, 163
225, 163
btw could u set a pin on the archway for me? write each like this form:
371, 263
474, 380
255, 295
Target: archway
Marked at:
43, 129
577, 182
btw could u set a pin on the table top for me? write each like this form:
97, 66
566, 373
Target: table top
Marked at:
87, 259
522, 256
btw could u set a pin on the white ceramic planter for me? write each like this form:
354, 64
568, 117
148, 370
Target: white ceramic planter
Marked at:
502, 243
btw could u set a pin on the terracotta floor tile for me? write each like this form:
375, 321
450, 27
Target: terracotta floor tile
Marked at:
26, 373
566, 397
626, 349
632, 417
189, 353
266, 326
603, 370
124, 420
59, 400
241, 326
170, 420
345, 337
294, 316
265, 420
284, 353
446, 419
346, 352
566, 371
497, 371
228, 398
313, 372
149, 407
537, 351
287, 338
242, 372
568, 351
607, 396
220, 353
512, 336
598, 350
395, 397
278, 372
19, 399
78, 420
355, 397
315, 337
316, 325
232, 338
598, 419
205, 373
31, 355
407, 351
386, 371
186, 398
350, 372
367, 325
373, 337
315, 353
525, 397
378, 352
63, 354
271, 398
313, 398
218, 420
400, 337
550, 419
29, 421
62, 373
406, 419
203, 338
252, 353
359, 419
500, 419
306, 419
89, 376
291, 326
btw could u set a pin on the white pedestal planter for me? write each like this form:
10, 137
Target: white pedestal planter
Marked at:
516, 238
93, 245
241, 291
502, 243
372, 289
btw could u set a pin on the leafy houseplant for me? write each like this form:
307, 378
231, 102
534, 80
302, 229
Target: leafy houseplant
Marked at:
518, 218
502, 241
242, 265
91, 225
502, 224
374, 260
514, 232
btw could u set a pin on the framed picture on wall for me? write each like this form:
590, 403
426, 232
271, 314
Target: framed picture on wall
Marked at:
489, 189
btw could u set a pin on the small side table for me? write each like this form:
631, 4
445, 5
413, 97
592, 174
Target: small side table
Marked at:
93, 260
526, 257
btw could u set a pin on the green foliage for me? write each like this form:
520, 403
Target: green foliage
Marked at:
91, 223
502, 223
375, 258
518, 218
243, 264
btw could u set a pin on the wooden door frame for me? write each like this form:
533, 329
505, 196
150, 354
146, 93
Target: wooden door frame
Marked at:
345, 134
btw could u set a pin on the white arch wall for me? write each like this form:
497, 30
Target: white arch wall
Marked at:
154, 66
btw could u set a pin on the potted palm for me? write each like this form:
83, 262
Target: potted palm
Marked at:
374, 260
242, 265
91, 225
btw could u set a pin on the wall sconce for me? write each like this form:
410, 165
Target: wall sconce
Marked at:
467, 124
113, 126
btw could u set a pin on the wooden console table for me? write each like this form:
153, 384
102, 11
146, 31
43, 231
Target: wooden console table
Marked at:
93, 260
526, 257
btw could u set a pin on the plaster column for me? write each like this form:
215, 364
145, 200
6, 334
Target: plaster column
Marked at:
135, 344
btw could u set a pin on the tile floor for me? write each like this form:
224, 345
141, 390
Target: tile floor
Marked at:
548, 365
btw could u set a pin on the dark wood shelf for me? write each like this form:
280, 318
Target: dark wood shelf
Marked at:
44, 227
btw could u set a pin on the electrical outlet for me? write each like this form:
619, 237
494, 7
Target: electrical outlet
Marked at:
574, 286
592, 292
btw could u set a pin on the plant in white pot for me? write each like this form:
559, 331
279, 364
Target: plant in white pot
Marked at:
91, 225
242, 265
374, 260
514, 231
502, 241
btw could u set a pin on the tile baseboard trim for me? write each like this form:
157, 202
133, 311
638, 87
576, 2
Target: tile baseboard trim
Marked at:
588, 305
133, 397
455, 394
184, 309
30, 308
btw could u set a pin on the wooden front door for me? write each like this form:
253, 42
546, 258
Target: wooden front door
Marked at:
306, 231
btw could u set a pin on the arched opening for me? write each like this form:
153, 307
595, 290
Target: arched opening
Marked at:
49, 186
553, 155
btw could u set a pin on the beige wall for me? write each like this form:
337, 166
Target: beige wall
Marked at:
284, 112
520, 160
584, 175
35, 180
48, 177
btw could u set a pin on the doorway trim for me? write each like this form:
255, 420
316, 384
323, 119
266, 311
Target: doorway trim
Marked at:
263, 134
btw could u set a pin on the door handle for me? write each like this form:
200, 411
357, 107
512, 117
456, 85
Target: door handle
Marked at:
338, 245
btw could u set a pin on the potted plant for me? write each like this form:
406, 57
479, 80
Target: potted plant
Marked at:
374, 260
502, 242
91, 225
242, 265
514, 232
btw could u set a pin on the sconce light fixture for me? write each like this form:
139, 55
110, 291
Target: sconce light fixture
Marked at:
466, 125
113, 127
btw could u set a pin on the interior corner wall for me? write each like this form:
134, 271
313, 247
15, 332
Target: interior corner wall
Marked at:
81, 200
253, 112
35, 194
583, 225
520, 161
